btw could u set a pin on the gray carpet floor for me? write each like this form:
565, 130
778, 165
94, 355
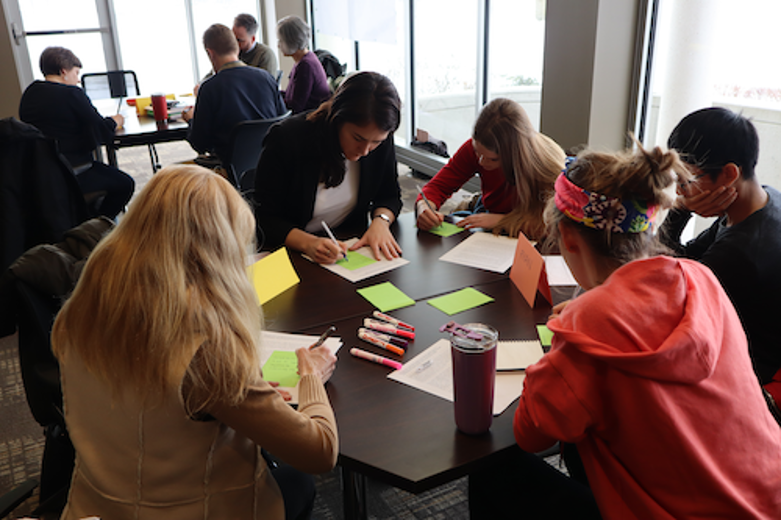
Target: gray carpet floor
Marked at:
21, 438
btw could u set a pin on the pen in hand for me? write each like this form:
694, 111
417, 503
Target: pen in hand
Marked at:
333, 238
425, 199
330, 330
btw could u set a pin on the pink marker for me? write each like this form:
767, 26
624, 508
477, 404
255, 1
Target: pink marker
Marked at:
388, 328
374, 357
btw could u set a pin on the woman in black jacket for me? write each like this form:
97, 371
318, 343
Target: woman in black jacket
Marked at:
335, 165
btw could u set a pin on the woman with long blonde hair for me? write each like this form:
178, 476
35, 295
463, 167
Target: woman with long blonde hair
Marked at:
517, 167
158, 346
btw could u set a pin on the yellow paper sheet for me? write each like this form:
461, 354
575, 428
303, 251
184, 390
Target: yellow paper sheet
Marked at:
272, 275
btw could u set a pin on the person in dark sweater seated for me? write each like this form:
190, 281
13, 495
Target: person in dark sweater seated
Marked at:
60, 109
743, 246
308, 85
236, 93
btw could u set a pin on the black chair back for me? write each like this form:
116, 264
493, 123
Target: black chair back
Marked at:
111, 84
246, 143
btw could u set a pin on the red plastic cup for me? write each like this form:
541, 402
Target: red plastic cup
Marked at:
474, 373
160, 107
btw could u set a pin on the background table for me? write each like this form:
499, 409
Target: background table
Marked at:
143, 130
387, 430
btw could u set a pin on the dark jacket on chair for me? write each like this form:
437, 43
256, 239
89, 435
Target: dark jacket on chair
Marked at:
40, 198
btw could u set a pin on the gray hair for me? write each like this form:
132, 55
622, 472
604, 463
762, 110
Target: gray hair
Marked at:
293, 34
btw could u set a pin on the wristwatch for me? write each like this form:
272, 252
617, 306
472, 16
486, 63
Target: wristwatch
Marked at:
384, 217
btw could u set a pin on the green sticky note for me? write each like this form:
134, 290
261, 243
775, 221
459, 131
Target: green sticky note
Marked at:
459, 301
386, 297
446, 229
545, 334
356, 261
282, 367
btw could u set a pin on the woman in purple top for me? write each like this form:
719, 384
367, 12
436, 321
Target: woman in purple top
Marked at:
307, 86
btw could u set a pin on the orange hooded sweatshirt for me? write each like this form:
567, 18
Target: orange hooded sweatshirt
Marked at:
649, 375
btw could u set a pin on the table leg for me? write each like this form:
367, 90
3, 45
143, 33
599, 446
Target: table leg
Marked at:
111, 154
354, 495
153, 157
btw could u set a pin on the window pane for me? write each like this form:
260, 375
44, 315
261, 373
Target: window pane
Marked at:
208, 12
161, 64
45, 15
695, 66
445, 63
87, 47
388, 59
342, 48
516, 45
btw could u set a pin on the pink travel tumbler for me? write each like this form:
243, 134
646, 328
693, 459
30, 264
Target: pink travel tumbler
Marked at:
474, 372
160, 107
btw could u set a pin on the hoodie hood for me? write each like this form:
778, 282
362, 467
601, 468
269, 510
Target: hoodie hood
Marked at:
658, 318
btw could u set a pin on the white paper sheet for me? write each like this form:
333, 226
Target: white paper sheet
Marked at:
380, 266
271, 341
517, 355
558, 271
432, 372
484, 251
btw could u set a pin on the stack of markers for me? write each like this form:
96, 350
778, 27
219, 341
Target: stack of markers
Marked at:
385, 332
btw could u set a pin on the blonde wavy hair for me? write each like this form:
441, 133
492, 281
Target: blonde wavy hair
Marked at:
164, 302
530, 161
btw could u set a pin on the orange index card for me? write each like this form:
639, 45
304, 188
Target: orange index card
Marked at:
272, 275
528, 271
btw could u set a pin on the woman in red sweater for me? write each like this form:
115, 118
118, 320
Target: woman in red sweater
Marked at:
648, 375
517, 167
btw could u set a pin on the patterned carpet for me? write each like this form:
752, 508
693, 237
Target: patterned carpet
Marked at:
21, 438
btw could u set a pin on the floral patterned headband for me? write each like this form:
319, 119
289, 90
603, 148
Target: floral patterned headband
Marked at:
600, 211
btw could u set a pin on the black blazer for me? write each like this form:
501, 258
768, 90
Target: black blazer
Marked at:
289, 170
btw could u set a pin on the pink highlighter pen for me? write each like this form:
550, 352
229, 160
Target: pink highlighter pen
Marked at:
374, 357
388, 328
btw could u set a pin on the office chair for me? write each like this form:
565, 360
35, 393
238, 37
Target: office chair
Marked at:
246, 143
12, 499
116, 84
110, 85
41, 378
775, 411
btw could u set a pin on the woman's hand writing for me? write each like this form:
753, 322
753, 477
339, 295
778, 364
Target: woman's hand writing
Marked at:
319, 361
428, 218
324, 251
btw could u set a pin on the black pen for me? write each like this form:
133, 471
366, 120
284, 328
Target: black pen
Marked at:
330, 330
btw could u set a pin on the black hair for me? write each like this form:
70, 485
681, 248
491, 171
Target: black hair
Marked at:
711, 138
56, 59
361, 99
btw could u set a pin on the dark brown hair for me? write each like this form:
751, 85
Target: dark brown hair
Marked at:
220, 39
56, 59
363, 98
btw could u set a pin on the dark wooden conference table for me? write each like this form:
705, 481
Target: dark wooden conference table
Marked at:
145, 131
388, 431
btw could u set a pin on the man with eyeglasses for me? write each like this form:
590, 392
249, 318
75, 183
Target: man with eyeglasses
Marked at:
743, 246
